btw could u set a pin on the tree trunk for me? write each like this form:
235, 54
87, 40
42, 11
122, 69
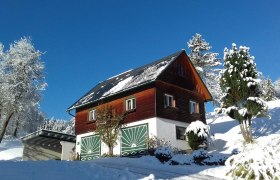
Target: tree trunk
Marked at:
4, 126
16, 129
110, 150
246, 131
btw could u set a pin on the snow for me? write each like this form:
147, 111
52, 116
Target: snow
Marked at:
118, 87
11, 149
227, 140
197, 127
125, 81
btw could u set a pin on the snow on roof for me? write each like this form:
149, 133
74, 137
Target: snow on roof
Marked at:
126, 80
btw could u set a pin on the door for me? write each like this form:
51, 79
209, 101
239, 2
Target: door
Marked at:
90, 147
134, 140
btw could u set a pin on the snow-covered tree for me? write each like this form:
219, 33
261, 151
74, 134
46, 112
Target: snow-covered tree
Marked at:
207, 65
21, 80
277, 87
25, 122
267, 89
241, 94
59, 125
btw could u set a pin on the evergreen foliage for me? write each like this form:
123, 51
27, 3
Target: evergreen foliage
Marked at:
195, 140
108, 124
267, 89
197, 133
207, 65
241, 94
277, 88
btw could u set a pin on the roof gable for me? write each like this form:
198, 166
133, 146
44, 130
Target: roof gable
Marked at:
126, 81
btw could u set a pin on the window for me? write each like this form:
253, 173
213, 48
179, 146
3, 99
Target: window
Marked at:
194, 107
169, 101
130, 104
92, 115
180, 133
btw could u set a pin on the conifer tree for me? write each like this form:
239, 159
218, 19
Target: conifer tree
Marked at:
239, 83
267, 89
207, 65
277, 87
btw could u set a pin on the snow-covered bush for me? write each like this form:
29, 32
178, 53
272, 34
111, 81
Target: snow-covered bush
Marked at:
164, 153
154, 142
255, 163
197, 133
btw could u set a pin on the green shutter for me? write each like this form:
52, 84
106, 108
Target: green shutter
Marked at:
90, 147
134, 140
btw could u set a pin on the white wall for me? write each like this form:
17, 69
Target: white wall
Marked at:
162, 128
166, 129
66, 153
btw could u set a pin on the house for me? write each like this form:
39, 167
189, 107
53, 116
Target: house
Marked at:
160, 98
48, 145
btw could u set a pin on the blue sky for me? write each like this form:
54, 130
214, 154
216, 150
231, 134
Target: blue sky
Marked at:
88, 41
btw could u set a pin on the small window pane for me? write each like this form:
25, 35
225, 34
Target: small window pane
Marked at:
92, 115
130, 104
169, 101
194, 107
180, 133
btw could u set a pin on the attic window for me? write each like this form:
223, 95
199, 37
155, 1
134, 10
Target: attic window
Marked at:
169, 101
130, 104
194, 107
92, 115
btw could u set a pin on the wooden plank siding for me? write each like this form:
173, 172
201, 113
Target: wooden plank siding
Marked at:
182, 97
180, 80
145, 108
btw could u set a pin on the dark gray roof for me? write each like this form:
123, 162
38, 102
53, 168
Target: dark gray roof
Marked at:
48, 138
126, 80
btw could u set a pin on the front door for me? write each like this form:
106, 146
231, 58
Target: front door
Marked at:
90, 147
134, 140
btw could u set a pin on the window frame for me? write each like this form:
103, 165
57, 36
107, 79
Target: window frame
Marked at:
132, 100
178, 134
90, 115
193, 107
167, 102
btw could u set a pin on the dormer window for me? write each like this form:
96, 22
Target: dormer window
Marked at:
169, 101
194, 107
92, 115
130, 104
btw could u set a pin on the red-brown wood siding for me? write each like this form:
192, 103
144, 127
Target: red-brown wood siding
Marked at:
182, 97
182, 73
145, 108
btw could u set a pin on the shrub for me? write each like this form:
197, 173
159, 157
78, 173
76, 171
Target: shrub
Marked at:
163, 154
258, 163
197, 133
155, 142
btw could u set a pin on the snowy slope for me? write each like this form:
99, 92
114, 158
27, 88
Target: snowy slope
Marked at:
11, 149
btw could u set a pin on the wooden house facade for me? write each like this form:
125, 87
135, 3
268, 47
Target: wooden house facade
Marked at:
160, 99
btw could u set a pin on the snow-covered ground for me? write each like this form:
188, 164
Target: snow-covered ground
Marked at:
227, 139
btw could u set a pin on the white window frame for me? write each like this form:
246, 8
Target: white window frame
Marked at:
169, 101
130, 104
194, 107
92, 115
